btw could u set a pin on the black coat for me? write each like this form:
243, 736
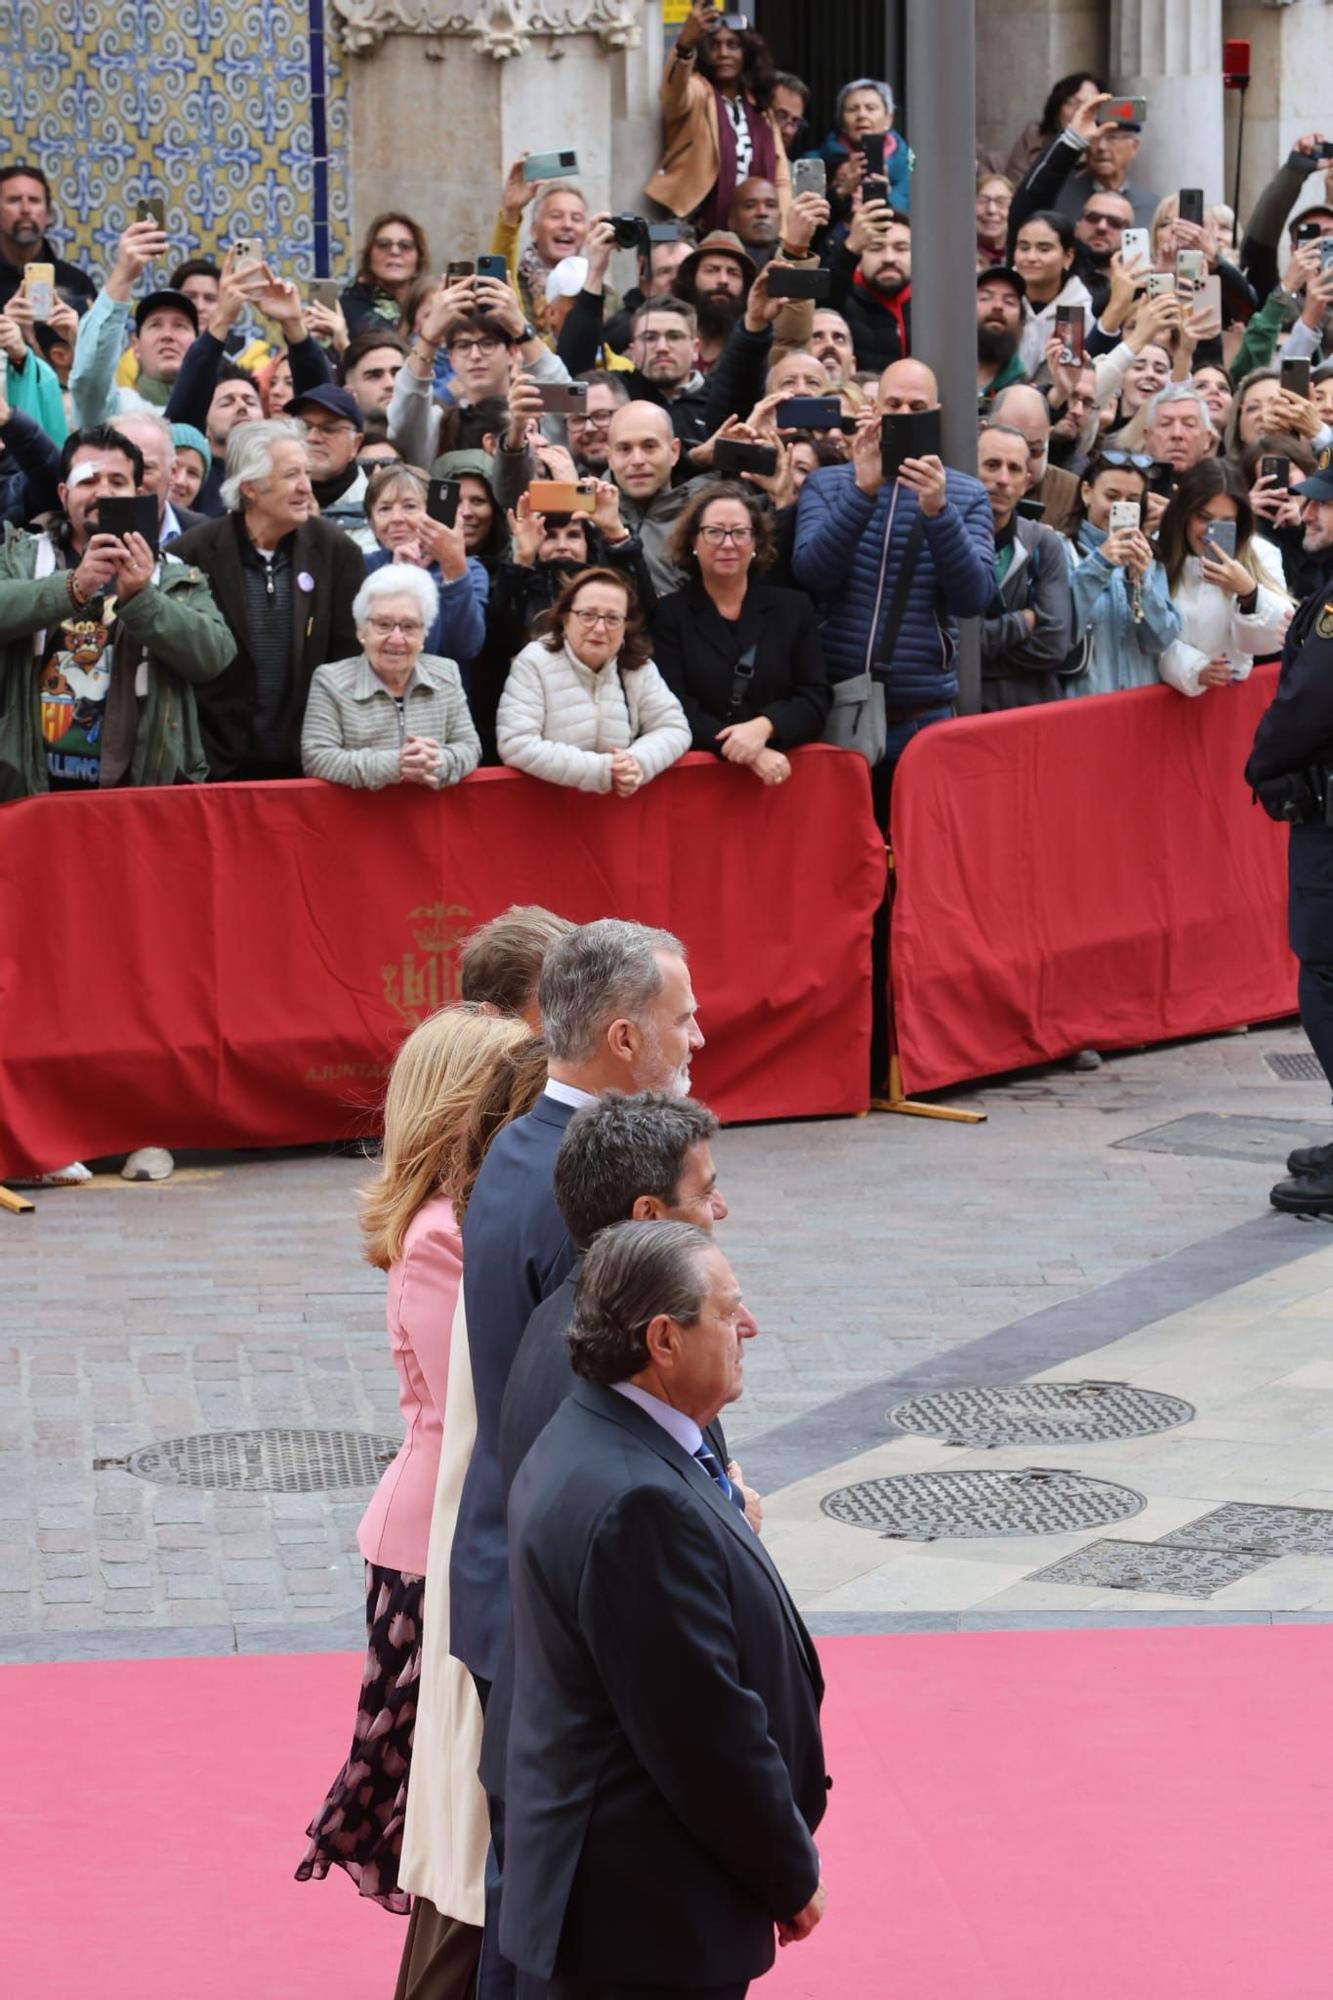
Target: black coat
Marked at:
696, 650
322, 630
665, 1769
1295, 733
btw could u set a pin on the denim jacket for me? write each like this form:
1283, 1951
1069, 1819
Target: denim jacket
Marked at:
1123, 651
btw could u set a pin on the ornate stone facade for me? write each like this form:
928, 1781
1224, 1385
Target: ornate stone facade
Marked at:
501, 28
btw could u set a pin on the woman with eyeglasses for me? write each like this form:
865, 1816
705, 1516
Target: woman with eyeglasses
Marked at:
394, 715
743, 656
1232, 604
994, 194
584, 704
395, 253
1124, 619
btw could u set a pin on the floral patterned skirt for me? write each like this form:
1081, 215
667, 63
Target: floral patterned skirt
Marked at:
359, 1827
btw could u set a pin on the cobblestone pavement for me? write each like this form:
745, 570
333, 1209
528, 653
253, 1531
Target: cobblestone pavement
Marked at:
233, 1298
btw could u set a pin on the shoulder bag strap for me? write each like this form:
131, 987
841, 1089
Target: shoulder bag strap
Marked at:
898, 602
741, 676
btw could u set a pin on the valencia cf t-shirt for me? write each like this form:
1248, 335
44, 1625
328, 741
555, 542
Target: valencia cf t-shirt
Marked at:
73, 681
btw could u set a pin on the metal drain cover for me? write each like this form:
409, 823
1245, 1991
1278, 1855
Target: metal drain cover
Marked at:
931, 1506
269, 1461
1295, 1066
1174, 1572
1041, 1413
1244, 1526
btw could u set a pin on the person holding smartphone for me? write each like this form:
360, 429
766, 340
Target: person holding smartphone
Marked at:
1225, 581
864, 146
1124, 619
720, 126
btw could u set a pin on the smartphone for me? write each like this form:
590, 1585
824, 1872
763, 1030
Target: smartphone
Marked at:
123, 515
550, 166
564, 399
460, 268
1162, 479
914, 434
732, 456
1031, 510
442, 501
1191, 270
1326, 253
1124, 111
325, 292
1208, 297
738, 23
152, 209
664, 232
560, 496
1306, 231
247, 251
1220, 536
1161, 284
39, 288
809, 177
872, 150
1295, 378
1124, 514
1324, 151
1135, 248
1069, 332
1190, 206
493, 267
1278, 469
875, 188
809, 413
788, 284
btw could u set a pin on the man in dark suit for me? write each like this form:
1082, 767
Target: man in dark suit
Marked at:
618, 1012
665, 1769
285, 582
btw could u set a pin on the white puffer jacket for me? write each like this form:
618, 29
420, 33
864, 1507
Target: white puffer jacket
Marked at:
560, 720
1212, 625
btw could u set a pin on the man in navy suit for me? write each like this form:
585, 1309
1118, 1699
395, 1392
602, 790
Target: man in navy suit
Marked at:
618, 1012
665, 1767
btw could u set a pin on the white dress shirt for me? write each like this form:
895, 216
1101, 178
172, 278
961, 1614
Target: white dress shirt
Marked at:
674, 1422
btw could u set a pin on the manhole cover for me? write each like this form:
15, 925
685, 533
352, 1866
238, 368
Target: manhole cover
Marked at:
1041, 1413
1176, 1572
1244, 1526
1296, 1067
930, 1506
272, 1461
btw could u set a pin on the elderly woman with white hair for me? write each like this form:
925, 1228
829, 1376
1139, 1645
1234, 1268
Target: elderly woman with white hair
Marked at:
394, 715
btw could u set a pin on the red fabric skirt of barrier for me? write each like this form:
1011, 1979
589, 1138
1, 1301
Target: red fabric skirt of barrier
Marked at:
1088, 874
234, 965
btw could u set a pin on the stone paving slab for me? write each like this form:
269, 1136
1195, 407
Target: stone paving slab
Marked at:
233, 1297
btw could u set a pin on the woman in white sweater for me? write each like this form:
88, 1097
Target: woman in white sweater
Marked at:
584, 705
1232, 607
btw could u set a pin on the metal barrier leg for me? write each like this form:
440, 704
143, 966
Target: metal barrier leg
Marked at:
894, 1100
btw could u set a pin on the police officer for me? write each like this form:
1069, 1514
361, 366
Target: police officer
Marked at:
1293, 749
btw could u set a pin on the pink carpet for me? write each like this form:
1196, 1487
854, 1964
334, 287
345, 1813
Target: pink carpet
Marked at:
1017, 1816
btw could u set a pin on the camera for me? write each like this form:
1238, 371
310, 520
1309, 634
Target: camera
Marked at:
630, 232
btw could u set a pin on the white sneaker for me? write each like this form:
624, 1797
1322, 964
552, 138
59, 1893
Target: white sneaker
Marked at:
150, 1163
74, 1175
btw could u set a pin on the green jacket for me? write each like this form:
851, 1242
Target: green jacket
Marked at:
1261, 337
185, 638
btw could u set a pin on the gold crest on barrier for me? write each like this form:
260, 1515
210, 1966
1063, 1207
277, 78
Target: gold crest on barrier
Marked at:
419, 984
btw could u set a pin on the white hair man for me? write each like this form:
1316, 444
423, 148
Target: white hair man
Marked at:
1178, 429
157, 448
284, 581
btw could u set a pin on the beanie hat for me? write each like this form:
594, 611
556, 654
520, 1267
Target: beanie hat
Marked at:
186, 438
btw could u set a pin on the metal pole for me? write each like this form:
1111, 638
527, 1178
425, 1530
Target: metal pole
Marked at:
941, 107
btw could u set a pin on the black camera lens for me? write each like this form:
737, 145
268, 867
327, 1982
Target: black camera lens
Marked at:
629, 231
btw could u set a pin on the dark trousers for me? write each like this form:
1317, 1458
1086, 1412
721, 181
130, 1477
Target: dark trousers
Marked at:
1314, 997
439, 1956
497, 1979
881, 795
595, 1989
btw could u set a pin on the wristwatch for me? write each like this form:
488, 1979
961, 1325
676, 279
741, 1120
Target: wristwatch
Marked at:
529, 332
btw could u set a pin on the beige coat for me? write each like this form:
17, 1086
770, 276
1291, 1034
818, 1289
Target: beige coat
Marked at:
352, 733
446, 1831
560, 720
691, 161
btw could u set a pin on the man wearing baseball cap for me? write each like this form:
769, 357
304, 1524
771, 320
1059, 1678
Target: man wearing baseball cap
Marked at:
1000, 296
1291, 771
166, 323
334, 426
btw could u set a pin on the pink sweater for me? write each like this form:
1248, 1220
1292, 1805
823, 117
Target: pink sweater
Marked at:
423, 1291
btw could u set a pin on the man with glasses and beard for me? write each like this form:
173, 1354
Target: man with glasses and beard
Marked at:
589, 435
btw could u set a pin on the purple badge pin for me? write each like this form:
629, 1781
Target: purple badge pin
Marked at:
305, 581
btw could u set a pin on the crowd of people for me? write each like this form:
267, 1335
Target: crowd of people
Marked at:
504, 514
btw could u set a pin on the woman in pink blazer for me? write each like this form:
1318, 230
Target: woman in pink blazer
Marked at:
457, 1080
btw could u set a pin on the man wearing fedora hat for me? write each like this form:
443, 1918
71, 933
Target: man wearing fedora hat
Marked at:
1291, 771
715, 279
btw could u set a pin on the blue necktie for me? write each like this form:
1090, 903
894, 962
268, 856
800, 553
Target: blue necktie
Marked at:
708, 1460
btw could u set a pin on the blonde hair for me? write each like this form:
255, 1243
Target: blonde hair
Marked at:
442, 1069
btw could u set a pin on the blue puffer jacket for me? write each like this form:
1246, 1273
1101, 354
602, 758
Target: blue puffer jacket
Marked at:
842, 540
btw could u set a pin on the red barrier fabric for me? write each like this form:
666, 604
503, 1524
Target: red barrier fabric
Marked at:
1088, 874
234, 965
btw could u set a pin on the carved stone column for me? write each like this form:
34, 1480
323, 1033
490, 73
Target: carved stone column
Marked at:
447, 92
1170, 51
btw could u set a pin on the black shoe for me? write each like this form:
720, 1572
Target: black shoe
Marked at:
1307, 1194
1310, 1160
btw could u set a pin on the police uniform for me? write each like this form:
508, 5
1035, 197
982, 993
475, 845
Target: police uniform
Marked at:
1293, 746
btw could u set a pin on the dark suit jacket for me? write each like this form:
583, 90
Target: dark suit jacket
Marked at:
666, 1769
696, 650
515, 1251
538, 1384
322, 630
